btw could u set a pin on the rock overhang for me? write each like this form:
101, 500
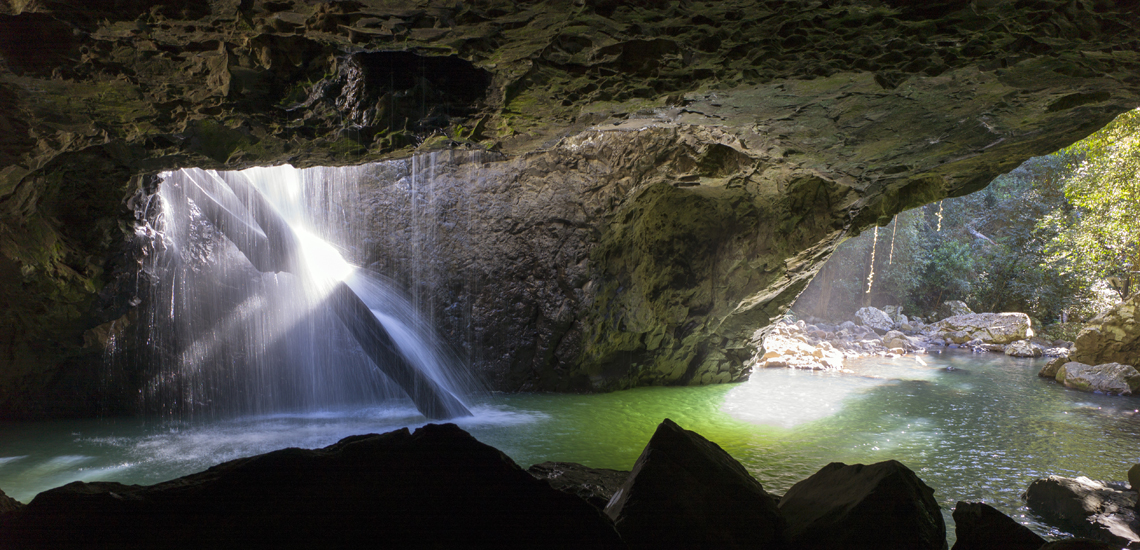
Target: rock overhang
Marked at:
841, 113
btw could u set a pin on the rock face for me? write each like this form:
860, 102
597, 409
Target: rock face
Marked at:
1087, 508
987, 328
779, 142
435, 488
686, 492
883, 505
978, 526
1112, 337
1106, 378
874, 318
594, 485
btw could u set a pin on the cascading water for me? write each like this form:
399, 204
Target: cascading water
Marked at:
262, 314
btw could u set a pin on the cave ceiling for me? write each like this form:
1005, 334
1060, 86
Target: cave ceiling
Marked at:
834, 114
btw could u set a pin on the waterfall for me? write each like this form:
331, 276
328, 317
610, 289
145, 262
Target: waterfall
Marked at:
258, 311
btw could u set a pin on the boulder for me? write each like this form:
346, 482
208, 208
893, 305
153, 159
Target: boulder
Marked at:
953, 308
1111, 337
1078, 544
595, 485
896, 339
435, 488
874, 318
883, 505
787, 346
1022, 348
1134, 481
979, 526
1086, 508
1112, 378
1050, 369
9, 504
687, 492
990, 328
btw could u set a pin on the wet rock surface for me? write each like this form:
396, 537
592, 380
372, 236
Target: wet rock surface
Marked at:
1103, 511
687, 492
978, 526
594, 485
882, 505
437, 487
9, 504
819, 121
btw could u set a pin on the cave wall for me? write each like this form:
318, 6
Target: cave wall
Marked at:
743, 140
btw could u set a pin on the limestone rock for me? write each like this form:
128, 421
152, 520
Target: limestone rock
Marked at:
435, 488
1022, 348
989, 328
874, 318
1112, 378
1087, 508
953, 308
787, 346
883, 505
978, 526
594, 485
1112, 337
686, 492
1050, 369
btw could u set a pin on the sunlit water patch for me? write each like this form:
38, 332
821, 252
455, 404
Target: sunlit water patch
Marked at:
974, 427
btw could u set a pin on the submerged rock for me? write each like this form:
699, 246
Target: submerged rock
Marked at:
687, 492
882, 505
435, 488
1087, 508
595, 485
1112, 378
1078, 544
979, 526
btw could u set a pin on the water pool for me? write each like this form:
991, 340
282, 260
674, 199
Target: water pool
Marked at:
976, 427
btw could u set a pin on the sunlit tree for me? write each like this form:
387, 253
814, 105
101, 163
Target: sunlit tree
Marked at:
1100, 237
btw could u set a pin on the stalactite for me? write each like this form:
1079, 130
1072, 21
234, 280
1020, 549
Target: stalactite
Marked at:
871, 275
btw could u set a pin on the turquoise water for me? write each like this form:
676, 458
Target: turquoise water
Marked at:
977, 427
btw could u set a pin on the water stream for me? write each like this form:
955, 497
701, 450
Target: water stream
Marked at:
976, 427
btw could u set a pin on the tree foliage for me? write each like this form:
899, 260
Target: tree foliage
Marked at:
1046, 239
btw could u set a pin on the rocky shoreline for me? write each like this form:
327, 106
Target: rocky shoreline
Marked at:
440, 487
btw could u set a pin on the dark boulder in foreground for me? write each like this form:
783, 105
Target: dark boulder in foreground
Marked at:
9, 504
594, 485
979, 526
1087, 508
1079, 544
435, 488
883, 505
687, 492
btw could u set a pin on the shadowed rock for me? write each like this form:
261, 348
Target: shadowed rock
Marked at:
883, 505
594, 485
1087, 508
978, 526
686, 492
435, 488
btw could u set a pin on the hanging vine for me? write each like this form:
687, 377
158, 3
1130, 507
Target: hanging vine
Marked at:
894, 231
939, 230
